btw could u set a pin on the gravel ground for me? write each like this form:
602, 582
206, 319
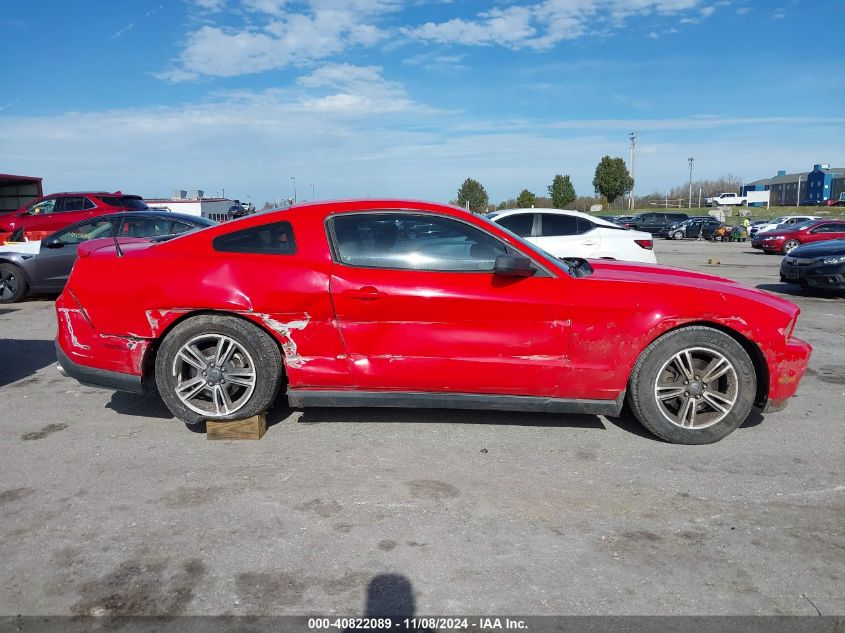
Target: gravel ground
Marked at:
110, 506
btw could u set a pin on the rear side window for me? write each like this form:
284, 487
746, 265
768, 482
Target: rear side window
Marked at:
145, 227
553, 224
125, 202
267, 239
70, 203
520, 224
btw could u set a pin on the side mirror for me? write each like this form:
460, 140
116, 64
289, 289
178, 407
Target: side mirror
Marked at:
513, 266
53, 242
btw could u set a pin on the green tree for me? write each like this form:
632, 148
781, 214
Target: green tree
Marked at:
525, 199
612, 179
562, 192
473, 192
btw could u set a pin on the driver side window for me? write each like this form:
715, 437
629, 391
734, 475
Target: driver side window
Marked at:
43, 208
413, 242
88, 231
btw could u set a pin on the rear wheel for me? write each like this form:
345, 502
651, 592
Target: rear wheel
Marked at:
215, 367
678, 235
790, 245
13, 285
694, 385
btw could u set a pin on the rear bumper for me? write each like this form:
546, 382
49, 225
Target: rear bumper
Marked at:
94, 377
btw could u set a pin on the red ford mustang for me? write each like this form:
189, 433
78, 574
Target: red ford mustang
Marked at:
415, 304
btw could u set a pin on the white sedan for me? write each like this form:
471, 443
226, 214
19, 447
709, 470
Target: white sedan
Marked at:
575, 234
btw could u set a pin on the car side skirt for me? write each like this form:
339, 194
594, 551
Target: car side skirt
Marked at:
301, 398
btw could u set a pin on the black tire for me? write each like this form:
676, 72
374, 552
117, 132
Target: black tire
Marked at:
13, 283
254, 351
656, 361
678, 235
790, 245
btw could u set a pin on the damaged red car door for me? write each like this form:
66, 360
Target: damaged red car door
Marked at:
419, 308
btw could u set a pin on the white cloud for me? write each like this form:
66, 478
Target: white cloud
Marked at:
543, 25
210, 5
433, 61
281, 38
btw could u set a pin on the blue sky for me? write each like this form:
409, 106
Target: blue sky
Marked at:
410, 97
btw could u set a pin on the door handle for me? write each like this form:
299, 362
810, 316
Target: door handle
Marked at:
367, 293
589, 243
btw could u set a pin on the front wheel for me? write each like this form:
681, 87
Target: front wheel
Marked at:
215, 367
678, 235
13, 286
694, 385
790, 245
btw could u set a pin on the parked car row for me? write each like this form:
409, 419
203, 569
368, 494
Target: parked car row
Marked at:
787, 238
703, 227
47, 214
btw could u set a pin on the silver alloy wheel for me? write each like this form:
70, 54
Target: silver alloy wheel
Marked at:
215, 375
790, 246
696, 388
8, 284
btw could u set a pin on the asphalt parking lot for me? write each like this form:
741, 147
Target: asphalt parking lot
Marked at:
110, 506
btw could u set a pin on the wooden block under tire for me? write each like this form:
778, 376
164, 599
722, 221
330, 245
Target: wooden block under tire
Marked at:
252, 428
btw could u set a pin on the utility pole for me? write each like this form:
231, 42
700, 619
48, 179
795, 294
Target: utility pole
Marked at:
691, 161
633, 137
294, 188
699, 197
313, 195
797, 193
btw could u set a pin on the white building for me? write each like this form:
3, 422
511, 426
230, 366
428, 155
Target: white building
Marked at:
193, 203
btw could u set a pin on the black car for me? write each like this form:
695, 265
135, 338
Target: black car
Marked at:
45, 266
819, 265
693, 227
654, 222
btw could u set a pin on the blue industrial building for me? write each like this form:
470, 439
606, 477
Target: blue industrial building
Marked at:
814, 187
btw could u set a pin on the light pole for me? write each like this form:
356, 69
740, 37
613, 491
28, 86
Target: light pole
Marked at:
691, 161
633, 137
294, 188
313, 195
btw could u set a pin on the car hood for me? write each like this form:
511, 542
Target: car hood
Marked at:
819, 249
778, 233
664, 278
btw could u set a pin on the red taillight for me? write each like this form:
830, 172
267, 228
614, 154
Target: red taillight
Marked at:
646, 244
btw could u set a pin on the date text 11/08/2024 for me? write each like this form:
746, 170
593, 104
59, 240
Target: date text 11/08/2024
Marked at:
421, 623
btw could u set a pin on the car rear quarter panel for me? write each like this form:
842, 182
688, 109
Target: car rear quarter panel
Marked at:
137, 298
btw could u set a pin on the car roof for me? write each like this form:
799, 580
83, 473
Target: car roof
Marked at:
164, 215
577, 214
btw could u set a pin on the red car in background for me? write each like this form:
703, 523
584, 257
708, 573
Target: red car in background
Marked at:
48, 214
785, 240
414, 304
